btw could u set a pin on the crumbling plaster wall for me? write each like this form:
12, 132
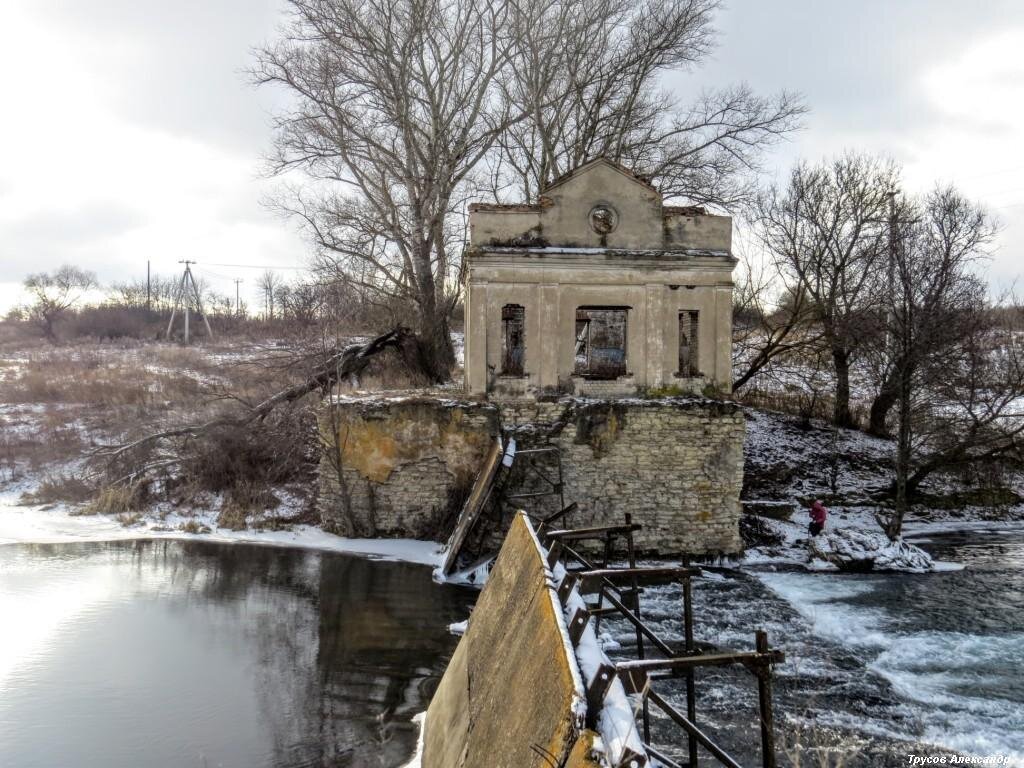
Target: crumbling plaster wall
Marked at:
400, 466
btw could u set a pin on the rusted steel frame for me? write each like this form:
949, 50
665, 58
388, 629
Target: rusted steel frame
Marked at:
748, 659
577, 624
630, 759
764, 700
597, 532
531, 495
591, 581
635, 584
561, 480
639, 624
554, 552
563, 512
608, 536
661, 757
616, 603
543, 476
702, 738
597, 690
691, 687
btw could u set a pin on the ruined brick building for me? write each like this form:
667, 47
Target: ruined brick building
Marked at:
585, 315
598, 289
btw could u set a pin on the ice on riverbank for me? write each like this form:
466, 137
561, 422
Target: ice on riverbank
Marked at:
852, 538
849, 549
37, 525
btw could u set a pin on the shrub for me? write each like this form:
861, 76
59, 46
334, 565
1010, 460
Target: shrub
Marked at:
58, 488
117, 500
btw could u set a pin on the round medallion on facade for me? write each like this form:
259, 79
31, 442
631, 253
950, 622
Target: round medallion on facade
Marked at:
603, 219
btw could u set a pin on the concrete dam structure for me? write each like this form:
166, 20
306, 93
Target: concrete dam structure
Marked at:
529, 685
514, 694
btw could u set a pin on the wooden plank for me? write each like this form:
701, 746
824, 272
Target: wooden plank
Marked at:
474, 506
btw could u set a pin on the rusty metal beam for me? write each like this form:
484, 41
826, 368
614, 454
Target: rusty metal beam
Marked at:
591, 581
595, 532
702, 738
683, 663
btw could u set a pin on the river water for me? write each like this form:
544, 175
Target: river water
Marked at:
879, 666
172, 653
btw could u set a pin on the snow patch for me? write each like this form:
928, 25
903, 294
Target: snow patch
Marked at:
36, 525
459, 627
417, 758
851, 549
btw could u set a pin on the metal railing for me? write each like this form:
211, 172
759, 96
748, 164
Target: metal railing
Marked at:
618, 592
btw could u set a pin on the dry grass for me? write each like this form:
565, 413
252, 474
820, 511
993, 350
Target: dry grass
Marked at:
117, 500
194, 526
58, 403
58, 488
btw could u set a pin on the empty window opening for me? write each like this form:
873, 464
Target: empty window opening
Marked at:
513, 341
689, 338
600, 342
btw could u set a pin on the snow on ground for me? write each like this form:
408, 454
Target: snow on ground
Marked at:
792, 539
38, 525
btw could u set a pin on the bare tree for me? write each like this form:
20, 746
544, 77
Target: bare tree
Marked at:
595, 93
939, 336
396, 103
270, 284
54, 293
302, 302
402, 109
767, 325
826, 230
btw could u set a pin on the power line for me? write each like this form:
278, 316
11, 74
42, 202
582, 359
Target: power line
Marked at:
253, 266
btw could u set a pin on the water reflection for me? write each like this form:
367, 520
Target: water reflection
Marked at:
169, 653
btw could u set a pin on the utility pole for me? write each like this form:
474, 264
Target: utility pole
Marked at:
148, 290
187, 295
238, 303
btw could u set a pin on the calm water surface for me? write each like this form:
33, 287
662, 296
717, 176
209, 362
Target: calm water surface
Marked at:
176, 653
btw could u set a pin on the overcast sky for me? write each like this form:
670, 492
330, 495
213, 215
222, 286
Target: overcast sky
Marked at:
129, 131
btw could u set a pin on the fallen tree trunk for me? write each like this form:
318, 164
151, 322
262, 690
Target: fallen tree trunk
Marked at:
156, 451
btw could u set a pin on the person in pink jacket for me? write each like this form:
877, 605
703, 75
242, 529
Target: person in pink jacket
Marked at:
818, 515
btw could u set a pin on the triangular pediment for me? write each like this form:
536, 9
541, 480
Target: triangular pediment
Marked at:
601, 166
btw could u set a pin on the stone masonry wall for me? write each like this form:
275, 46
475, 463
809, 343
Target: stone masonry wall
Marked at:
400, 466
676, 464
407, 463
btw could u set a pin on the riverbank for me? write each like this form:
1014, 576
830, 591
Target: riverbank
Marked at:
37, 524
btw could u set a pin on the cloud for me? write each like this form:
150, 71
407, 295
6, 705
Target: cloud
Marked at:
134, 137
130, 132
938, 86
